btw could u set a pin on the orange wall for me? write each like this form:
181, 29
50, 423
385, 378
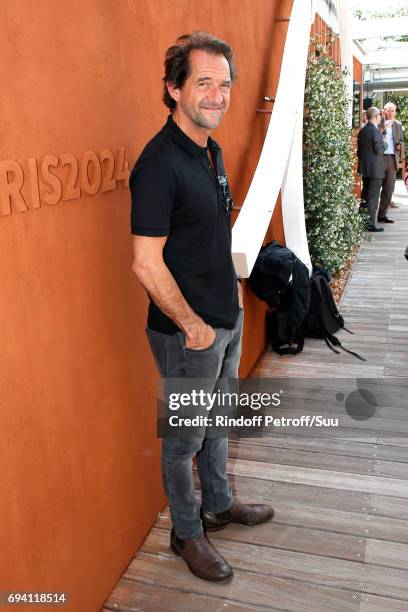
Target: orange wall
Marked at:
358, 72
80, 460
321, 33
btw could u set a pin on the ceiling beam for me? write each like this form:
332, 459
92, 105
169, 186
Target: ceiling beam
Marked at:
378, 28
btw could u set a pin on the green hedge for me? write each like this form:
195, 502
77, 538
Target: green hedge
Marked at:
402, 113
333, 222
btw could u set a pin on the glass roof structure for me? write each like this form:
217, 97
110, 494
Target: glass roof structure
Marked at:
380, 35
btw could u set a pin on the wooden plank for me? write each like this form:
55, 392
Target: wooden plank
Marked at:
374, 358
387, 389
366, 520
374, 603
319, 460
338, 369
394, 412
395, 371
338, 480
338, 420
246, 587
364, 524
390, 554
370, 346
348, 448
134, 595
294, 538
326, 433
312, 542
299, 497
315, 569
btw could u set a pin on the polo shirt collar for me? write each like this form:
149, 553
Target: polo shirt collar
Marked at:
186, 143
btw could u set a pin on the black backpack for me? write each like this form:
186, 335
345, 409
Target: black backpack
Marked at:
323, 319
285, 332
281, 280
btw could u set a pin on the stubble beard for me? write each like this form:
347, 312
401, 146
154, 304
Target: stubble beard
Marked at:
200, 119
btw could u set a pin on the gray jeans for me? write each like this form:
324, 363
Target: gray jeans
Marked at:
213, 365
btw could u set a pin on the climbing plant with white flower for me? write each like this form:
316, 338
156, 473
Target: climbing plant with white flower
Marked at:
333, 222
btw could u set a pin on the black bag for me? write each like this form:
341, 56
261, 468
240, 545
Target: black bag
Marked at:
281, 280
323, 319
300, 307
285, 332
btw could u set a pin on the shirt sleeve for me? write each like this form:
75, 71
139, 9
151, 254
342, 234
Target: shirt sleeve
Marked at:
153, 187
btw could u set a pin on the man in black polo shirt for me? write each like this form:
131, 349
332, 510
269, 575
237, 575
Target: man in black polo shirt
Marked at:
180, 219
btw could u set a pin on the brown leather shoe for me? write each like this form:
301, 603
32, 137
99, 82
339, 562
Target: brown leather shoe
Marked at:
245, 514
393, 205
202, 559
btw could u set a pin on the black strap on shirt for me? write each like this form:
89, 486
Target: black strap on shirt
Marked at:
224, 190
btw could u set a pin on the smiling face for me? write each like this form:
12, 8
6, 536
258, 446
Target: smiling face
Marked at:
205, 96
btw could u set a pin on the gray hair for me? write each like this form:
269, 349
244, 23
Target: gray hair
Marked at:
372, 112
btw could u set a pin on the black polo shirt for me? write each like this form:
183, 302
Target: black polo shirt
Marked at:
175, 194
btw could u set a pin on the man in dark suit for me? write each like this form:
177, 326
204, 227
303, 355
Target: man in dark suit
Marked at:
370, 152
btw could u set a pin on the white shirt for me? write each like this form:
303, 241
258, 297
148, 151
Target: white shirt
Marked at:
390, 140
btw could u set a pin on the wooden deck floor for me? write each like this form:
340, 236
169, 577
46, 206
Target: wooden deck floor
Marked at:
339, 539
